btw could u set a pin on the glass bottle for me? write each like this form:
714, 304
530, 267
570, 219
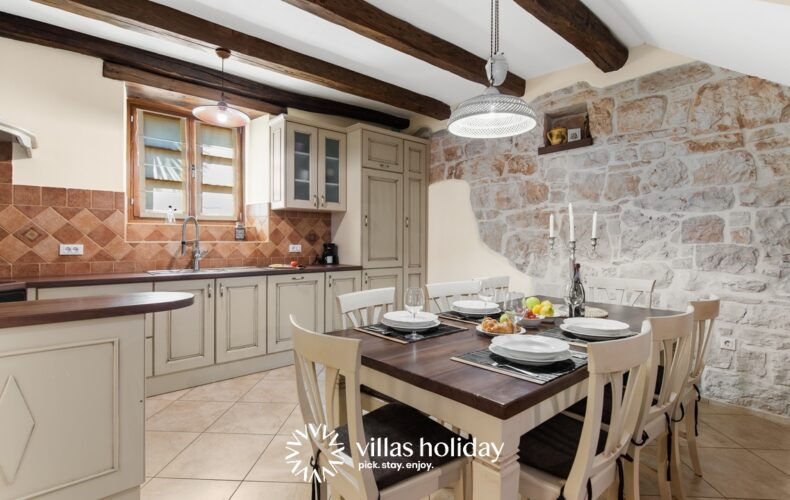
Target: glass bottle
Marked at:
575, 294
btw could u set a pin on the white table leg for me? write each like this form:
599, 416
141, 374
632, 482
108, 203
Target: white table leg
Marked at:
499, 479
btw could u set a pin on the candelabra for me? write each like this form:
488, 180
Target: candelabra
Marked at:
592, 253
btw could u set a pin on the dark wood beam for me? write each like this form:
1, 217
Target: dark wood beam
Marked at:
28, 30
577, 24
159, 20
372, 22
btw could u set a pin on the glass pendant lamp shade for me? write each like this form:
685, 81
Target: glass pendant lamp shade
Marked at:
491, 115
222, 115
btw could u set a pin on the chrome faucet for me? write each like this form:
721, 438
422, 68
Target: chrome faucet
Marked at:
197, 253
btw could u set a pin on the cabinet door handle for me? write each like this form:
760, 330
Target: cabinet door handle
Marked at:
383, 165
210, 291
407, 222
329, 280
221, 290
297, 278
323, 201
315, 200
366, 278
366, 220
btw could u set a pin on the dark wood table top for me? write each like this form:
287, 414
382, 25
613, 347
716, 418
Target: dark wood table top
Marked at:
427, 365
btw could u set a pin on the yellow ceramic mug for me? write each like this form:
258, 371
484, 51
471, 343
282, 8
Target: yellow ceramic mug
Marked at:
557, 135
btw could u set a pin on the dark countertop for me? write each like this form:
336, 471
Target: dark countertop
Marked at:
11, 285
40, 312
110, 279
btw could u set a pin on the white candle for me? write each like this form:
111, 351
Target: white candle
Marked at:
570, 222
595, 225
551, 226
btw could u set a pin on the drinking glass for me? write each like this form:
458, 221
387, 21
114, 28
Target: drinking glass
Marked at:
487, 293
414, 300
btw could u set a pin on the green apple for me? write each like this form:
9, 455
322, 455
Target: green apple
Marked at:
531, 302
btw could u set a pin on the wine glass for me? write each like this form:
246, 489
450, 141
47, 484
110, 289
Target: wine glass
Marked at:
514, 305
487, 293
414, 300
572, 298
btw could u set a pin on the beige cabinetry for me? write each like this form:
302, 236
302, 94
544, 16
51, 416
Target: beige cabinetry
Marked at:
382, 151
184, 338
299, 294
415, 201
240, 318
338, 283
382, 218
383, 278
308, 166
415, 157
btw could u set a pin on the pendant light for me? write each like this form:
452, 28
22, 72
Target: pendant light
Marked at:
221, 114
492, 114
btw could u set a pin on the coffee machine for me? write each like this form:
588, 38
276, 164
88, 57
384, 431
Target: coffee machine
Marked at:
329, 257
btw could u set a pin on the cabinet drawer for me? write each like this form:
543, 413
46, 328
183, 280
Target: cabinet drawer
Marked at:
382, 151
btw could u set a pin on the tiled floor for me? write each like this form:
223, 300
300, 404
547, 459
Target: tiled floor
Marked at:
226, 440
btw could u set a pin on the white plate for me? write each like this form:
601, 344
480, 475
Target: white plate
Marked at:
410, 329
407, 319
516, 332
533, 345
475, 306
595, 336
593, 326
534, 362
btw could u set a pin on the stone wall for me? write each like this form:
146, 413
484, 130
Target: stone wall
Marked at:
690, 175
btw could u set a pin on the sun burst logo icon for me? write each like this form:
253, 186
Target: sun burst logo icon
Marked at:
300, 456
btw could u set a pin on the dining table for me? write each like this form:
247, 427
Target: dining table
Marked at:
492, 407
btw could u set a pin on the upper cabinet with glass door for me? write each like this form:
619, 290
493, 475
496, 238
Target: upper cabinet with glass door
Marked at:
308, 166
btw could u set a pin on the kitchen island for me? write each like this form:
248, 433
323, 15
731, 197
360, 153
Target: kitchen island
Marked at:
72, 375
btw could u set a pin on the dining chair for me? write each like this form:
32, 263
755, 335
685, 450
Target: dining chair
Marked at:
573, 459
356, 475
623, 291
366, 307
705, 313
440, 296
500, 285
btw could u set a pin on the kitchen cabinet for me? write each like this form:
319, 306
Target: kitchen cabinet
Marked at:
308, 166
382, 151
415, 157
382, 219
338, 283
299, 294
184, 338
415, 203
383, 278
240, 318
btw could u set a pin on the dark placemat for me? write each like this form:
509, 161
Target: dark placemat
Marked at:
385, 332
558, 333
537, 374
456, 316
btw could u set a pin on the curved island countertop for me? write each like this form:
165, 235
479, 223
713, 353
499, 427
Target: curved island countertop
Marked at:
39, 312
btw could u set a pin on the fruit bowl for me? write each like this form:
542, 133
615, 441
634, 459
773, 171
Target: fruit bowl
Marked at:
530, 322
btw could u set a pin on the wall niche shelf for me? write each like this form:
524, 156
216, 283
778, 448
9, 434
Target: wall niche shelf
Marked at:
574, 117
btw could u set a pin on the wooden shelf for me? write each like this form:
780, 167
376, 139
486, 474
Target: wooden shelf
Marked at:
581, 143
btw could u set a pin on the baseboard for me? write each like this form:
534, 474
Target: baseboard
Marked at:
773, 417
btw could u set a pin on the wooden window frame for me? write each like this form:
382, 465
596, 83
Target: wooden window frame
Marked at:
134, 188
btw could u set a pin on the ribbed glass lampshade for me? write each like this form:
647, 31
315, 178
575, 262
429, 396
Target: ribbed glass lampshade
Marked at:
492, 115
221, 115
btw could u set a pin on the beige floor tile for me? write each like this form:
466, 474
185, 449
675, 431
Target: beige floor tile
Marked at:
284, 373
272, 466
217, 456
751, 432
443, 494
711, 438
273, 390
716, 408
293, 423
187, 416
161, 447
739, 474
226, 390
253, 418
187, 489
250, 490
778, 458
154, 406
693, 486
171, 395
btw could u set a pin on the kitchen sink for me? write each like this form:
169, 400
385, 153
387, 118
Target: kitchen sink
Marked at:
211, 270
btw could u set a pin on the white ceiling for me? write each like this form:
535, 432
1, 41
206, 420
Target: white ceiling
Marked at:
750, 36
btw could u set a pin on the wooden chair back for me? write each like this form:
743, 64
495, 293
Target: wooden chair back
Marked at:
500, 285
440, 296
366, 307
608, 362
705, 313
623, 291
340, 357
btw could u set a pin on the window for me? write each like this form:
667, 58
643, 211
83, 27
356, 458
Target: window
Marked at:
178, 161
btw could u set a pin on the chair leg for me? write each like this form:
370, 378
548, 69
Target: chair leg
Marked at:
691, 439
631, 476
661, 468
677, 464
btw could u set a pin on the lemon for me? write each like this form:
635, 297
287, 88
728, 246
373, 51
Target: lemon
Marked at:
547, 303
537, 308
547, 311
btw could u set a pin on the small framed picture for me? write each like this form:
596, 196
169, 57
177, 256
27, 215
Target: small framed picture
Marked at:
574, 134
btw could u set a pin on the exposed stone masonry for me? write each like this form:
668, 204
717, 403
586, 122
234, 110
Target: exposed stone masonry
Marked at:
690, 175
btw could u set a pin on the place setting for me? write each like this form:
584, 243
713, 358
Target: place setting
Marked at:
581, 331
412, 324
470, 311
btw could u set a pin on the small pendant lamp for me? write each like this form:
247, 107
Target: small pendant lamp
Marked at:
221, 114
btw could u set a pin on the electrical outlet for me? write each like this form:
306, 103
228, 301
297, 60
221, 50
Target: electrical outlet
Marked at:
72, 249
727, 343
294, 248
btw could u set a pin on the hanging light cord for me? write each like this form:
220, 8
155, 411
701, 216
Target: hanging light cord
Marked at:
494, 36
222, 83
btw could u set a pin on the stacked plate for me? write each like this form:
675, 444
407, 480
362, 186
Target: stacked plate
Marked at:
596, 328
530, 349
475, 308
404, 321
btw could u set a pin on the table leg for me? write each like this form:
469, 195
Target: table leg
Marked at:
497, 479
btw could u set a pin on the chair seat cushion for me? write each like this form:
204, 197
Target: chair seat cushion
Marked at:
551, 446
401, 424
581, 407
376, 394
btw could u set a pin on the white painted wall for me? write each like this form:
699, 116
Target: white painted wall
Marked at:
76, 115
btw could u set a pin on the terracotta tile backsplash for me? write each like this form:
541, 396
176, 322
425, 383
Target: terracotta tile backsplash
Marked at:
35, 220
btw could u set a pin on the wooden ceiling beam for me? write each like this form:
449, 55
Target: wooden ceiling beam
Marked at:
159, 20
580, 27
374, 23
28, 30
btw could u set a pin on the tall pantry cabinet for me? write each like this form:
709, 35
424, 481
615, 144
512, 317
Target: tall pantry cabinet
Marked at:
384, 226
